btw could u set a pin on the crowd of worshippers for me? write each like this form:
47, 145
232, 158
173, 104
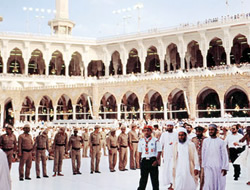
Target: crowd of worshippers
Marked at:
189, 157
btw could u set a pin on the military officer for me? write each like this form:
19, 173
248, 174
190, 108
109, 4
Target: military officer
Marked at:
8, 143
40, 146
112, 148
75, 142
133, 146
25, 147
60, 148
123, 149
95, 149
103, 141
85, 137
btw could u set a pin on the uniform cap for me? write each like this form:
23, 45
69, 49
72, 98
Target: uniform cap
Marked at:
148, 127
97, 127
10, 127
199, 128
123, 127
112, 130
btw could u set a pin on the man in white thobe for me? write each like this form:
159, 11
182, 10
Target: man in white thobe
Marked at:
214, 161
167, 141
185, 163
5, 182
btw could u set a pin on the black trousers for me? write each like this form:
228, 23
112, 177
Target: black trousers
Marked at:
147, 168
233, 155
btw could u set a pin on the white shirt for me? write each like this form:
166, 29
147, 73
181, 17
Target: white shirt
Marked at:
191, 135
153, 147
231, 139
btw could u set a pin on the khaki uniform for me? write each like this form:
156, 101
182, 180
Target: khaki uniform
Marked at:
25, 147
8, 145
40, 146
112, 147
95, 148
75, 150
123, 150
134, 154
85, 137
60, 146
103, 142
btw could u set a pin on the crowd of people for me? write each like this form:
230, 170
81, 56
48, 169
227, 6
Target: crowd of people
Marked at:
190, 157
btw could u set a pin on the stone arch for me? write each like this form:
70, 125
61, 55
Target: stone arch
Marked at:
83, 108
133, 64
108, 106
216, 54
193, 57
240, 51
96, 68
152, 62
36, 63
45, 109
130, 107
115, 67
173, 61
76, 66
208, 103
64, 108
56, 65
177, 105
153, 105
15, 62
236, 102
28, 110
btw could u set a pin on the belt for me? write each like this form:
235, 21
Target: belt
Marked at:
7, 149
95, 144
135, 141
40, 148
113, 146
60, 144
151, 158
76, 148
27, 150
86, 140
123, 146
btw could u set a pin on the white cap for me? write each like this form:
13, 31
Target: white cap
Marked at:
170, 123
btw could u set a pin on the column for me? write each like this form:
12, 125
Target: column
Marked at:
26, 66
84, 111
55, 118
106, 70
222, 108
124, 68
74, 112
36, 114
2, 115
228, 51
141, 110
165, 110
119, 111
162, 65
142, 65
170, 112
5, 60
48, 114
85, 72
204, 59
182, 60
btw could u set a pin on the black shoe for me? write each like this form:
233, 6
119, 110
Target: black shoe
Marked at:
236, 178
112, 171
133, 169
125, 169
74, 173
28, 178
38, 177
97, 172
46, 176
91, 172
20, 179
79, 173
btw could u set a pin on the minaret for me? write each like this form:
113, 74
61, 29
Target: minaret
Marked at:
61, 25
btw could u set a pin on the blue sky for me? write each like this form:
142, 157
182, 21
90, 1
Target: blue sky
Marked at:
94, 18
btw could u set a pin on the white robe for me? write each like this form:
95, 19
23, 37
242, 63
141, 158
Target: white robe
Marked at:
244, 159
184, 180
5, 182
167, 141
214, 159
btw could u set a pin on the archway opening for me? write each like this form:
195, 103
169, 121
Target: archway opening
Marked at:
83, 107
130, 108
56, 65
216, 54
108, 107
15, 64
64, 108
45, 109
152, 62
133, 64
193, 58
115, 67
28, 110
96, 68
75, 65
36, 63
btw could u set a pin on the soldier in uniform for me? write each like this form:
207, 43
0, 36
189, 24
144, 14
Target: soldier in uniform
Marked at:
25, 147
8, 144
85, 137
95, 149
60, 148
133, 146
112, 148
40, 146
75, 142
103, 141
123, 149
